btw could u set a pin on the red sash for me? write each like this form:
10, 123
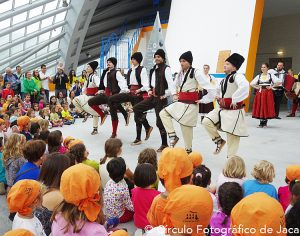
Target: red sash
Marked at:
133, 89
188, 97
226, 102
91, 91
107, 92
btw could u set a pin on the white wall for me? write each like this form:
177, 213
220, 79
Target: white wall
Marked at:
207, 26
279, 34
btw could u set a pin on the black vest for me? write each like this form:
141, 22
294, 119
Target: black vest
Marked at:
138, 72
101, 85
161, 83
112, 82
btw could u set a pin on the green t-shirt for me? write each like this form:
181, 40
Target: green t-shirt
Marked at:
92, 163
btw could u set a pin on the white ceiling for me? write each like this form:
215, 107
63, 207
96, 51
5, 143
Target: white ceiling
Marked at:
275, 8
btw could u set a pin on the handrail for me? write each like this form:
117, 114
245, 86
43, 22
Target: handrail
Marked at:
108, 41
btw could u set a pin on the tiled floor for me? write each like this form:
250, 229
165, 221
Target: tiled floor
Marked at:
279, 144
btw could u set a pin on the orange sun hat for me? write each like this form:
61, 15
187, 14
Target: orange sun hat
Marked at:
22, 122
67, 141
80, 186
189, 206
120, 233
293, 172
173, 165
196, 158
19, 232
257, 211
21, 196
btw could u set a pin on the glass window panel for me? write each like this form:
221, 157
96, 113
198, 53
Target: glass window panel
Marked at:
54, 45
56, 31
29, 58
44, 37
31, 42
60, 17
47, 22
17, 49
18, 33
42, 52
33, 27
51, 70
5, 6
51, 6
4, 40
19, 18
4, 54
19, 3
35, 12
4, 24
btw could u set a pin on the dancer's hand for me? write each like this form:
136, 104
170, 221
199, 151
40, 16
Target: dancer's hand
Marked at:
163, 97
269, 87
198, 101
137, 91
150, 93
175, 97
233, 105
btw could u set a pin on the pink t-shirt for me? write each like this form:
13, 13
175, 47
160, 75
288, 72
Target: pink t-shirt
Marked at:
62, 150
142, 200
89, 228
284, 196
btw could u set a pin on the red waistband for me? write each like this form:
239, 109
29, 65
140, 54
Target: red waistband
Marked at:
107, 92
91, 91
226, 102
133, 89
189, 97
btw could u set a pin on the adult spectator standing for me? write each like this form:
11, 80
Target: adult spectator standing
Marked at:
13, 79
44, 76
280, 73
21, 77
60, 80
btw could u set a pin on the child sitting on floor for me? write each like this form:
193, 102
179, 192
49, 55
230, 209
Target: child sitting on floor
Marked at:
67, 118
23, 198
117, 202
54, 118
263, 173
143, 194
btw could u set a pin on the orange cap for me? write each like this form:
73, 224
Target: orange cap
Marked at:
67, 141
21, 196
293, 172
2, 122
74, 142
80, 185
189, 206
257, 212
22, 122
19, 232
120, 233
196, 158
173, 165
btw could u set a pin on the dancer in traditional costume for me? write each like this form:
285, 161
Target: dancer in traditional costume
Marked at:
138, 84
263, 105
230, 116
90, 88
185, 109
112, 82
161, 87
205, 108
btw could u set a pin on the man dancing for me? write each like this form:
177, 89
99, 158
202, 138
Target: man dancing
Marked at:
90, 88
112, 82
161, 86
230, 117
185, 110
138, 84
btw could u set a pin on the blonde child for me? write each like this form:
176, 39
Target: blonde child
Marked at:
234, 171
80, 213
67, 118
13, 157
54, 118
263, 173
23, 198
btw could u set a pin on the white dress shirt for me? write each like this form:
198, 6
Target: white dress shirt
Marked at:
144, 79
